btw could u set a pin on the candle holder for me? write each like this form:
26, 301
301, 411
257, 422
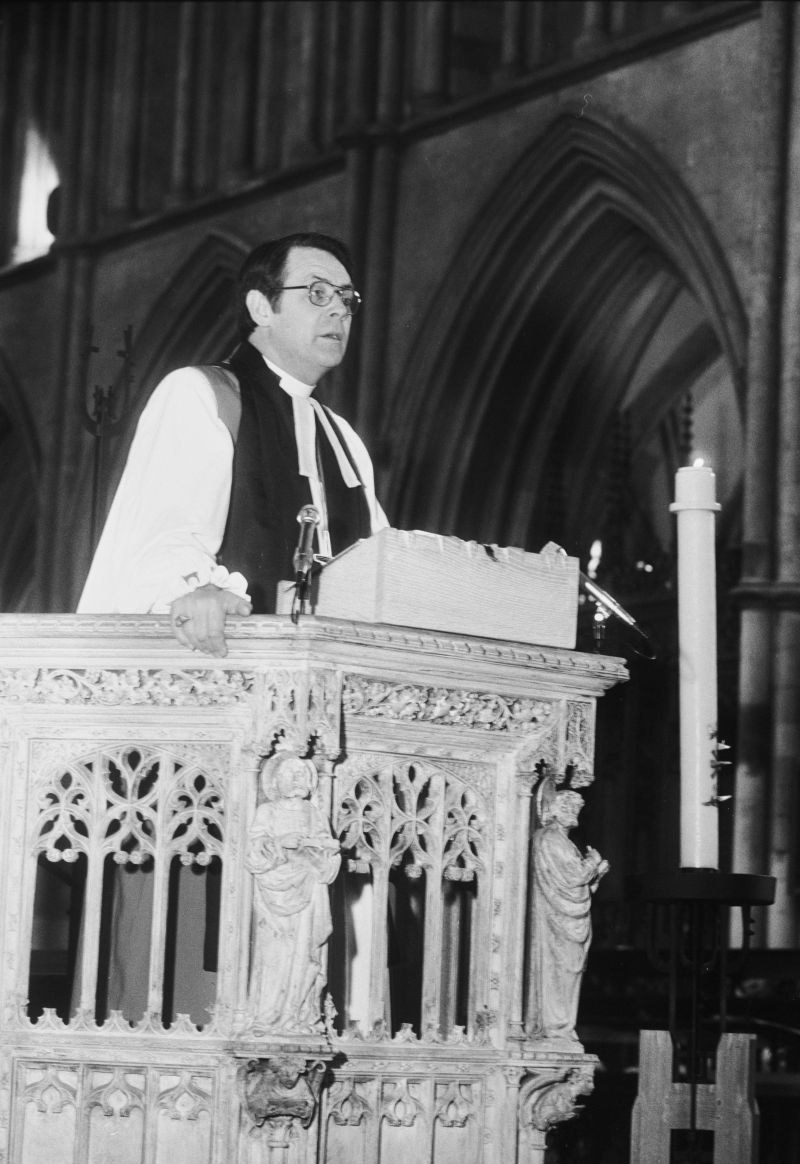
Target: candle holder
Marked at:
696, 1080
106, 415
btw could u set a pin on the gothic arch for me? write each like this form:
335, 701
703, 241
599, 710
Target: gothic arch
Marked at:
549, 313
20, 463
192, 322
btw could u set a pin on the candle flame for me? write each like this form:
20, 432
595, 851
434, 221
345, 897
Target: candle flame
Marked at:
698, 463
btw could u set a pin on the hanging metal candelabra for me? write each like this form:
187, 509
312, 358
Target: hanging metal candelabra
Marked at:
106, 415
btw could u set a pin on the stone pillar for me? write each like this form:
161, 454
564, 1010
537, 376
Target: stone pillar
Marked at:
372, 163
520, 925
511, 39
430, 54
358, 116
756, 654
782, 917
593, 33
537, 51
205, 113
119, 183
241, 23
9, 130
302, 49
67, 453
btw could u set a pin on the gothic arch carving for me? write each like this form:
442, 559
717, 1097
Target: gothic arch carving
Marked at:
192, 322
555, 295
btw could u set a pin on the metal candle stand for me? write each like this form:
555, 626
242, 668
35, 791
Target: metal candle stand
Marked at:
106, 416
686, 1083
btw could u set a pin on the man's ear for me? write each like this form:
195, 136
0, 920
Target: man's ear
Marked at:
259, 307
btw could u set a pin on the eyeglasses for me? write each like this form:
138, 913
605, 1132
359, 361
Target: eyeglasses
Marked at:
320, 293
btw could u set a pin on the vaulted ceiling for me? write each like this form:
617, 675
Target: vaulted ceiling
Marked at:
588, 338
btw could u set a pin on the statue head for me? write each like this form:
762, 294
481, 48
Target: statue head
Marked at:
286, 774
557, 804
566, 807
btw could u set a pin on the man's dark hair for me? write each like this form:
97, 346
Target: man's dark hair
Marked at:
263, 269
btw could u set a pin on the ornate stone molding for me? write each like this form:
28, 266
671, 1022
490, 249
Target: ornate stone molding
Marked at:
133, 686
83, 1022
62, 633
444, 706
301, 705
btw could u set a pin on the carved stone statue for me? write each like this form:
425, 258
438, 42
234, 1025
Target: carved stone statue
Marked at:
283, 1087
563, 883
548, 1099
293, 859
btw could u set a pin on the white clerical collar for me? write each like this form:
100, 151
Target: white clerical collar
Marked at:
289, 383
307, 412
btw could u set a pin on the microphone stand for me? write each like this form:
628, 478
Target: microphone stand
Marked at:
303, 560
605, 606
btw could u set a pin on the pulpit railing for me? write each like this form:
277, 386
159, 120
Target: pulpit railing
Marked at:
280, 905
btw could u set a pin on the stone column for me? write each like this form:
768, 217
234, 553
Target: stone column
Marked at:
302, 46
181, 133
381, 241
520, 904
68, 451
537, 51
430, 54
756, 656
266, 105
358, 117
512, 39
782, 917
593, 34
119, 176
372, 180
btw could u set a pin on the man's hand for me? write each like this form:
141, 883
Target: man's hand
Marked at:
198, 618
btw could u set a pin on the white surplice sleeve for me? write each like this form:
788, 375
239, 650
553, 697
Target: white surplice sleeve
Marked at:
167, 519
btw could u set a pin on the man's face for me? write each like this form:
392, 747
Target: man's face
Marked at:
301, 338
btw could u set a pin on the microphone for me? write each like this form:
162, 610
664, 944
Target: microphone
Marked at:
609, 604
308, 519
604, 599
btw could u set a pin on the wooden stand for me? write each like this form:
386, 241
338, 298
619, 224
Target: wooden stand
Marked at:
689, 921
727, 1107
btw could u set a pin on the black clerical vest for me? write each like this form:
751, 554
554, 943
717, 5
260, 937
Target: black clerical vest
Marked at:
268, 492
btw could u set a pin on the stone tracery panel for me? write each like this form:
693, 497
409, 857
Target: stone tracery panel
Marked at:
103, 1111
110, 687
428, 823
132, 805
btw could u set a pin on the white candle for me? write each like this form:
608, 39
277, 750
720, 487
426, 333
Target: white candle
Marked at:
695, 505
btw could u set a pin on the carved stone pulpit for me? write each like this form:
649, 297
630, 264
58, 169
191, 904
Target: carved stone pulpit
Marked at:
280, 907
